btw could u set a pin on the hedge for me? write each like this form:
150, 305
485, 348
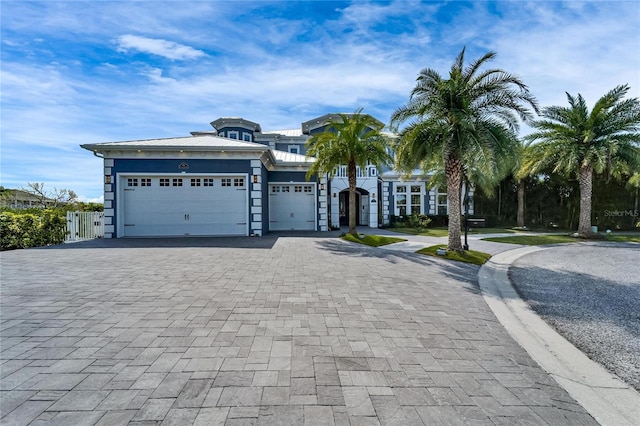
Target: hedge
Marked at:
31, 229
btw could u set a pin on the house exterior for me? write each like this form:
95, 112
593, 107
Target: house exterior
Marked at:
19, 199
240, 180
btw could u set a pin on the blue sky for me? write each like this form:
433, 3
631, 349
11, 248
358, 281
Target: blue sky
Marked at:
99, 71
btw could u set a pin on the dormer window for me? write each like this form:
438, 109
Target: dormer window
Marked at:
233, 135
247, 137
294, 149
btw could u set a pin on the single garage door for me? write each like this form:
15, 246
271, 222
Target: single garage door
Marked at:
292, 207
181, 205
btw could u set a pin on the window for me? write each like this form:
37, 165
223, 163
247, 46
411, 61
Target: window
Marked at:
297, 188
232, 135
285, 188
177, 182
294, 149
415, 204
238, 182
132, 182
308, 188
409, 199
226, 181
246, 137
164, 182
401, 205
195, 182
275, 188
442, 204
145, 182
207, 181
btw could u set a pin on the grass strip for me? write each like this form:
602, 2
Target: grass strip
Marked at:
623, 238
533, 240
372, 240
443, 232
469, 256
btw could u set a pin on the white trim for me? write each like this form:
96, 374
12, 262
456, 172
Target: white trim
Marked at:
408, 194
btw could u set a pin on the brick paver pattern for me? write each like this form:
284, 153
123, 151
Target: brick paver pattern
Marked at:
282, 331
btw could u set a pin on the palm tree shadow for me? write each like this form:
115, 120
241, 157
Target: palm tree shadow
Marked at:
459, 271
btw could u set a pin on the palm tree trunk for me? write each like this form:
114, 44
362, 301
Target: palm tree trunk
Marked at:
520, 215
453, 171
351, 170
585, 179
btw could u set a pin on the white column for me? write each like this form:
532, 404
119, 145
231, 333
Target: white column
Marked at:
255, 200
323, 219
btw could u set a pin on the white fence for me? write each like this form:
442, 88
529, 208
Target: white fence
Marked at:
84, 226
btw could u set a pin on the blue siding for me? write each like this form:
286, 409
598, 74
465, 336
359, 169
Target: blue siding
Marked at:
223, 131
142, 165
289, 177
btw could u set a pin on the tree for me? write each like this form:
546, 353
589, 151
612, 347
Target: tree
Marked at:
472, 112
53, 198
577, 142
354, 140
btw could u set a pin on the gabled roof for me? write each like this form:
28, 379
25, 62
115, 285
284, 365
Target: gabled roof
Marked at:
200, 143
188, 143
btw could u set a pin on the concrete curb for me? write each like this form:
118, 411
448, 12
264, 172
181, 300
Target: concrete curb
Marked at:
607, 398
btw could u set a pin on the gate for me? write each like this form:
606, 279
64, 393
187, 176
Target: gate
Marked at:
84, 226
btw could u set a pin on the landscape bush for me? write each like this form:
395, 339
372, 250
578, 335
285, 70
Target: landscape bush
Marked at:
31, 228
419, 221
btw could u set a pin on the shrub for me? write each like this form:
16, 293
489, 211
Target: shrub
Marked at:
19, 229
418, 221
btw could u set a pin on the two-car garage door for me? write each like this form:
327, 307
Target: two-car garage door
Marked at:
179, 205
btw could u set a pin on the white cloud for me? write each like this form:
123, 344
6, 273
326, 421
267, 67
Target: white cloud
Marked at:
160, 47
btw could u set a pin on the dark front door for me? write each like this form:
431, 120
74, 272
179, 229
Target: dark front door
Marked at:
344, 208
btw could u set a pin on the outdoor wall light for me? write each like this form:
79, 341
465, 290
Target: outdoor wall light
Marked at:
107, 179
373, 195
255, 178
335, 195
322, 187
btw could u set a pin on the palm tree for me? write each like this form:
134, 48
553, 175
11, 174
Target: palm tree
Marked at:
354, 140
472, 111
576, 142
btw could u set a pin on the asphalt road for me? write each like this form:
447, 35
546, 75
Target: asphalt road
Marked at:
590, 293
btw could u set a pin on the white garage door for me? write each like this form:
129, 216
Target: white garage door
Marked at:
180, 205
292, 207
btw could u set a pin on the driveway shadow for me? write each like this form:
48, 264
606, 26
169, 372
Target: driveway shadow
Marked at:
459, 271
265, 242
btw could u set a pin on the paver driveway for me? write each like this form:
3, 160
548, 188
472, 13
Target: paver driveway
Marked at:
289, 330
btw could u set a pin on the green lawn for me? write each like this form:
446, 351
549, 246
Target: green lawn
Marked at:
443, 232
469, 256
533, 240
623, 238
425, 232
373, 240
